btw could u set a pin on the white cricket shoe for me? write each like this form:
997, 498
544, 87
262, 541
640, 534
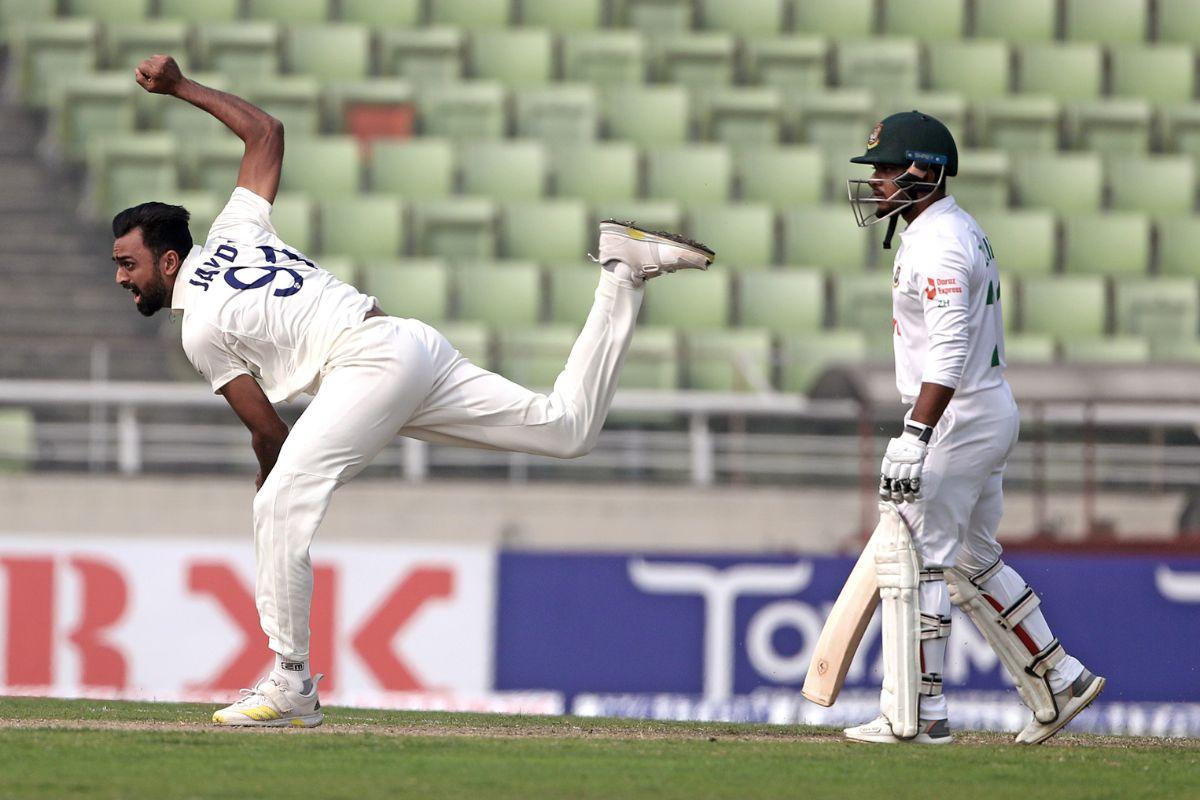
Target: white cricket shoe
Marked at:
1070, 701
273, 703
650, 253
879, 731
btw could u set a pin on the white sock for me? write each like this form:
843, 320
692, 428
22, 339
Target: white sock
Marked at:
295, 672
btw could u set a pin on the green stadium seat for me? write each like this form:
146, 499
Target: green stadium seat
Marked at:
1178, 244
1019, 124
208, 11
660, 215
1178, 21
1066, 182
790, 301
93, 104
469, 338
598, 172
836, 121
654, 17
647, 116
422, 55
128, 44
1159, 184
1067, 306
1162, 73
517, 56
746, 118
239, 48
290, 11
534, 357
343, 268
742, 235
1179, 126
111, 11
504, 169
501, 296
1157, 309
325, 166
925, 19
978, 69
363, 227
983, 179
845, 18
329, 51
546, 232
1125, 21
1025, 242
561, 114
1063, 71
607, 58
572, 290
700, 304
652, 362
15, 13
292, 215
1116, 126
562, 16
126, 170
459, 228
1016, 20
18, 439
694, 60
471, 14
211, 163
44, 54
392, 14
780, 176
1029, 348
788, 63
693, 174
463, 111
415, 168
1106, 350
1107, 244
887, 66
161, 113
827, 237
744, 17
728, 360
803, 358
418, 289
949, 107
864, 303
295, 100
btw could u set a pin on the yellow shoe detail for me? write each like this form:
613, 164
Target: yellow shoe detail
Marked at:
297, 723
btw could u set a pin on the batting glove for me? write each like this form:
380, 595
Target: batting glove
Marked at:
900, 474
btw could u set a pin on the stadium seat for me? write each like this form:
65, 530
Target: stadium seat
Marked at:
90, 105
1178, 21
160, 113
460, 228
471, 14
652, 362
239, 48
128, 44
1025, 242
1117, 126
546, 232
290, 11
1029, 348
1107, 244
1179, 127
45, 54
745, 118
742, 235
517, 56
789, 301
1016, 20
1158, 308
647, 116
534, 357
788, 63
949, 107
211, 163
836, 121
1105, 350
597, 172
469, 338
804, 357
827, 237
418, 168
983, 179
1125, 21
292, 216
1161, 73
1159, 184
561, 114
1063, 71
1019, 124
419, 289
654, 17
607, 58
323, 166
463, 111
191, 11
363, 227
660, 215
504, 169
18, 438
377, 15
501, 296
562, 16
780, 176
693, 174
112, 11
15, 13
1066, 182
845, 18
371, 109
1069, 306
887, 66
295, 100
978, 69
1178, 244
725, 361
694, 60
422, 55
131, 169
328, 51
864, 303
691, 305
744, 18
572, 289
925, 19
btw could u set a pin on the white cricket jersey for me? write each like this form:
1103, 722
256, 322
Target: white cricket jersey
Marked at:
946, 317
254, 306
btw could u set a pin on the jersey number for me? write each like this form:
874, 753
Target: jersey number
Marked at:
271, 272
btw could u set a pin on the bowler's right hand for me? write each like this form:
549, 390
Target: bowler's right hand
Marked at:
159, 75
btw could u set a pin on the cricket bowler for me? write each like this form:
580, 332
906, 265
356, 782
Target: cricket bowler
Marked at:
263, 324
945, 471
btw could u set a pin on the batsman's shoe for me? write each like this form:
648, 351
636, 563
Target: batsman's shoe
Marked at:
879, 731
273, 703
650, 253
1075, 698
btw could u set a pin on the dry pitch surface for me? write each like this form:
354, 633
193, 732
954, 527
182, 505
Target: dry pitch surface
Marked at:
56, 748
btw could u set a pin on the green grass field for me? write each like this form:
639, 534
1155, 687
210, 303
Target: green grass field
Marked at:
87, 748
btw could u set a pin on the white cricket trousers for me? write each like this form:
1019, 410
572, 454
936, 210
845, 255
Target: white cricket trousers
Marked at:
955, 520
392, 376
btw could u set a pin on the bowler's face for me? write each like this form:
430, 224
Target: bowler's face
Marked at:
139, 272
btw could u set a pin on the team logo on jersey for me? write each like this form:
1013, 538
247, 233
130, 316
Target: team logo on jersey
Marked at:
896, 277
876, 132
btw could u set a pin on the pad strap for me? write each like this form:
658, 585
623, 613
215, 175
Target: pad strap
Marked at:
934, 626
931, 684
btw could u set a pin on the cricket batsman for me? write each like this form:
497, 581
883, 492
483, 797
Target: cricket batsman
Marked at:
262, 324
945, 470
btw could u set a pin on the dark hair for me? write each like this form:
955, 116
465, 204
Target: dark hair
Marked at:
164, 227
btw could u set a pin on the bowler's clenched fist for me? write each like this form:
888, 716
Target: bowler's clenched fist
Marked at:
159, 75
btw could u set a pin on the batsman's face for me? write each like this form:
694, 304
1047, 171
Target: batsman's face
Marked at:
140, 272
883, 186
